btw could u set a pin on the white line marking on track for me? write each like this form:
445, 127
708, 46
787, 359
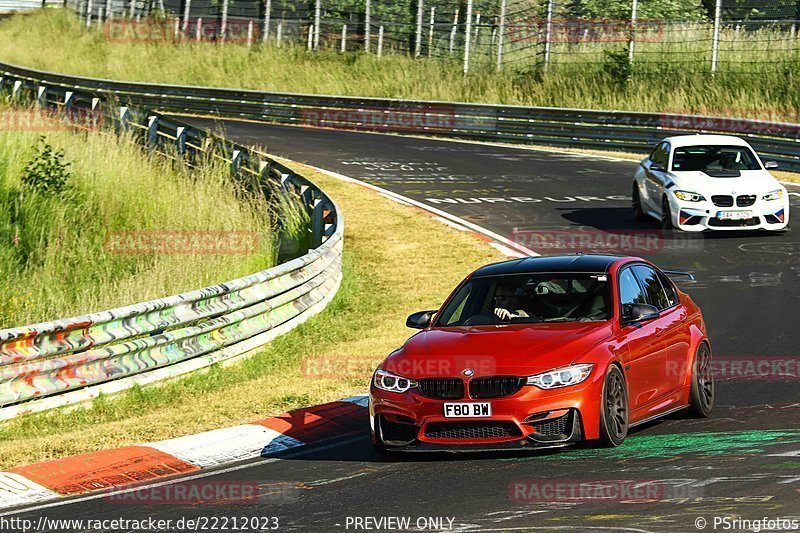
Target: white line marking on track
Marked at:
453, 218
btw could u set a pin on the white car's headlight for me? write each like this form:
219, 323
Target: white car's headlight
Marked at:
687, 196
392, 382
562, 377
774, 195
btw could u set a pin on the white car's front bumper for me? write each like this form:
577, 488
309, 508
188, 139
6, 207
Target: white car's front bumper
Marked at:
704, 216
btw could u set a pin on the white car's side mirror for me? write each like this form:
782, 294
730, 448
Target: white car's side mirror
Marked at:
771, 165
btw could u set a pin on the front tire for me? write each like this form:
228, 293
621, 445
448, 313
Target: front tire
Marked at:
614, 409
701, 395
666, 215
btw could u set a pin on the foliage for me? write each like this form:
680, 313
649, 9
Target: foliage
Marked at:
47, 171
617, 66
647, 9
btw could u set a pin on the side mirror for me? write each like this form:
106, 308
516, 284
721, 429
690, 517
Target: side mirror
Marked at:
420, 320
771, 165
657, 167
638, 313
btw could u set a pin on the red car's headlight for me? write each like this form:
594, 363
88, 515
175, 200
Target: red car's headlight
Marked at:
561, 377
392, 382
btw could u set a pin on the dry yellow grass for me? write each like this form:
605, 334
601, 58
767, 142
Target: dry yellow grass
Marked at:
390, 272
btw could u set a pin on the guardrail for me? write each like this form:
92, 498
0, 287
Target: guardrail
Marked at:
169, 336
575, 128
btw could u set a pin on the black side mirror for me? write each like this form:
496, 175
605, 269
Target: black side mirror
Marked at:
771, 165
656, 167
632, 313
420, 320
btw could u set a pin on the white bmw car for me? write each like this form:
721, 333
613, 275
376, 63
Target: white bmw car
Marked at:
709, 182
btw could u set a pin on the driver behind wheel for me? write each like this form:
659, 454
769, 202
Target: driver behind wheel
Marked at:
507, 302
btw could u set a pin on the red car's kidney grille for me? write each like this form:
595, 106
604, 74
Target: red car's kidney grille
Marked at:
495, 387
472, 430
442, 388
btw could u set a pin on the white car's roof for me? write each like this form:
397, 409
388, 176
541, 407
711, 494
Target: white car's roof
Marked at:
695, 140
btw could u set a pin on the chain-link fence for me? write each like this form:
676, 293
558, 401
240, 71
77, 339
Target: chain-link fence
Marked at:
656, 36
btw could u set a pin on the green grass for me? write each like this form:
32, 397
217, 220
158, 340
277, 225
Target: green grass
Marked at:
53, 252
55, 40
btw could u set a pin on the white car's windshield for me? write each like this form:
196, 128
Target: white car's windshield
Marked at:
529, 298
721, 161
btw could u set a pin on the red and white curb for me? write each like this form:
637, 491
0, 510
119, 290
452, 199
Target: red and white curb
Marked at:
111, 469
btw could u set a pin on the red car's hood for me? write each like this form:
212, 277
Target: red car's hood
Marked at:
495, 350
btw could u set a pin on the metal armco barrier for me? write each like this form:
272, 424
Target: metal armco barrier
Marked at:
575, 128
70, 354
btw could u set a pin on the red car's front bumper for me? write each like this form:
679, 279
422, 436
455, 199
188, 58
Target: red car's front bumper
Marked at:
530, 418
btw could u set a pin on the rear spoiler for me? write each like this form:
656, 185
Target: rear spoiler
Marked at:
679, 273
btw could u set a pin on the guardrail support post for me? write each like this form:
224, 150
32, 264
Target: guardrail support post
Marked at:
97, 114
41, 96
152, 133
236, 163
286, 180
69, 100
16, 90
180, 141
501, 34
263, 171
317, 222
124, 118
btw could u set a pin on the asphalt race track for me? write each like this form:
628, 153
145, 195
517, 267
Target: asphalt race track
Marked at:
742, 462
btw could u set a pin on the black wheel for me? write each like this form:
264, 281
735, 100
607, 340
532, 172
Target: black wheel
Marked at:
638, 214
701, 395
666, 214
614, 409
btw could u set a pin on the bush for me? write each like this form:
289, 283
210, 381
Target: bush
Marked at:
47, 171
617, 66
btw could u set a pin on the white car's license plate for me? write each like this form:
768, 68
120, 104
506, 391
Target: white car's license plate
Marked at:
467, 410
735, 215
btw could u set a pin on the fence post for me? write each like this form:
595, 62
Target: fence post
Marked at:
317, 21
343, 48
418, 40
267, 15
236, 163
548, 33
124, 118
198, 29
107, 10
180, 141
380, 41
41, 96
132, 9
186, 9
501, 34
477, 27
152, 133
430, 31
632, 40
278, 33
249, 34
454, 31
715, 41
310, 43
88, 14
367, 23
224, 24
468, 36
177, 30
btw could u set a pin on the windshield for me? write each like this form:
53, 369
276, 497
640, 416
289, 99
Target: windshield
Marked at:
714, 159
528, 298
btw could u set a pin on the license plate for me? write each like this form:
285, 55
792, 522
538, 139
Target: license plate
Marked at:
467, 410
735, 215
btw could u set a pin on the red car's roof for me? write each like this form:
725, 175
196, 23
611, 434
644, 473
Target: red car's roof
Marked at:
557, 263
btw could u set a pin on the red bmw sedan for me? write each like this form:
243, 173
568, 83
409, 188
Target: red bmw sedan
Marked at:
544, 352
